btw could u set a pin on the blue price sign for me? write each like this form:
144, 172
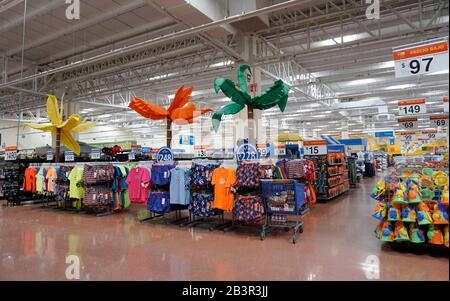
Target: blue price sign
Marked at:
247, 152
164, 155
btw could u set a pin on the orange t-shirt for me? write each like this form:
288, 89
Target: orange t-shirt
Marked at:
29, 179
223, 179
51, 178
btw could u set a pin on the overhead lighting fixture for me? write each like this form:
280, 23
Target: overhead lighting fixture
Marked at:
221, 64
360, 82
399, 87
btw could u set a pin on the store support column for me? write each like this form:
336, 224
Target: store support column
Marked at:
249, 123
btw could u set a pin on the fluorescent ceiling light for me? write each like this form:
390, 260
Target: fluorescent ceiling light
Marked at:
389, 64
221, 64
104, 116
360, 82
398, 87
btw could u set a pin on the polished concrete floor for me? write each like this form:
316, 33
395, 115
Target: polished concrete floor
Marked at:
337, 244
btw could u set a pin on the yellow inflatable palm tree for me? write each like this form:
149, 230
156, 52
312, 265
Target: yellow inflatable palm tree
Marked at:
62, 129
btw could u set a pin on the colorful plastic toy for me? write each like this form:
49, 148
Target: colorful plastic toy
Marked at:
435, 236
400, 232
416, 234
408, 214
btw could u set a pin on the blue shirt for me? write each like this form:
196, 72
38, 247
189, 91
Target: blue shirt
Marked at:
179, 186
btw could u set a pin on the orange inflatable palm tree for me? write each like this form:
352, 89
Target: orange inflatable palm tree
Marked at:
180, 111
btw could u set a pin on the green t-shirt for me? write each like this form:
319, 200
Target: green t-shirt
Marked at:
126, 199
76, 189
40, 181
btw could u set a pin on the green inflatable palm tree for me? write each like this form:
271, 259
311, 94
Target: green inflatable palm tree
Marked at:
275, 95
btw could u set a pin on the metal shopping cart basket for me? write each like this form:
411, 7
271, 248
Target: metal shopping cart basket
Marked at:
283, 199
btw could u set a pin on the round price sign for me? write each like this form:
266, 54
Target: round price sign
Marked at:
164, 154
246, 152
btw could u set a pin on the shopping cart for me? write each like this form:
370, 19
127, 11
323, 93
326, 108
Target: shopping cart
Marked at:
283, 199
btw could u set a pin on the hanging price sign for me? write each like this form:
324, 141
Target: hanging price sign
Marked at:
164, 154
95, 154
69, 156
280, 150
262, 150
428, 135
412, 107
407, 136
315, 147
408, 123
11, 153
439, 120
201, 151
421, 59
49, 155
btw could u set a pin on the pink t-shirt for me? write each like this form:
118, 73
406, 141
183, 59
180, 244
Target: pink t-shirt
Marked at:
138, 181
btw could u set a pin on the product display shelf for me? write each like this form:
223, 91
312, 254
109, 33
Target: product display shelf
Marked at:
352, 172
413, 207
332, 175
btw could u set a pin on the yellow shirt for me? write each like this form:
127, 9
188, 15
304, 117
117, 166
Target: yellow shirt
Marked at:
76, 188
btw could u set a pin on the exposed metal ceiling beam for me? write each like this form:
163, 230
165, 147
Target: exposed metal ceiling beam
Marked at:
79, 26
40, 11
165, 38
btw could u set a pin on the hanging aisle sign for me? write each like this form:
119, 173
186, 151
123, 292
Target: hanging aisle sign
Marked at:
412, 107
95, 154
407, 136
421, 59
315, 147
49, 155
408, 123
69, 156
164, 154
439, 120
11, 153
246, 152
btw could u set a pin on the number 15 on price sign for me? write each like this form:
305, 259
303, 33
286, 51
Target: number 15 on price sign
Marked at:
315, 147
412, 107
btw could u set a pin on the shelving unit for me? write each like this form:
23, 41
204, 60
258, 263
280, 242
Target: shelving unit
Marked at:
331, 169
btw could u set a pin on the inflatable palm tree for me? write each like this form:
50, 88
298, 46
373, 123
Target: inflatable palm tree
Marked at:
276, 95
180, 111
62, 130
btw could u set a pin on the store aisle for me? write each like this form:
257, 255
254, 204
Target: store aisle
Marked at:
337, 245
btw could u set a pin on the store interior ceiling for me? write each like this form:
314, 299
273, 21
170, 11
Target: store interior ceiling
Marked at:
337, 61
